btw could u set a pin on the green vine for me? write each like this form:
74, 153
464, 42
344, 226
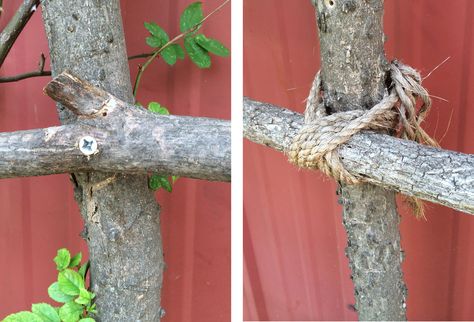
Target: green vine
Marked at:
196, 45
70, 289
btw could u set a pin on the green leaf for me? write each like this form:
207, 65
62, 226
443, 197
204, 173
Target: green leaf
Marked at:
179, 51
174, 178
70, 312
198, 55
154, 182
76, 260
84, 297
157, 31
165, 184
70, 282
153, 42
46, 312
24, 316
62, 259
169, 55
58, 295
191, 16
81, 301
91, 309
157, 108
212, 45
83, 269
87, 320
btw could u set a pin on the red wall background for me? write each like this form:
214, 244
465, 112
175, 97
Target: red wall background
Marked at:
39, 215
294, 262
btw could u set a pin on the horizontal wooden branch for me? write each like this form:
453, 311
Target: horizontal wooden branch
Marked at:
437, 175
129, 139
184, 147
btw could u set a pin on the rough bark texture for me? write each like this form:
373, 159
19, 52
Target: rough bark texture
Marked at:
121, 216
440, 176
130, 139
353, 64
11, 31
187, 147
353, 76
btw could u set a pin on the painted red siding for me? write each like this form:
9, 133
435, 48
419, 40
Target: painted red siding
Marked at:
295, 267
39, 215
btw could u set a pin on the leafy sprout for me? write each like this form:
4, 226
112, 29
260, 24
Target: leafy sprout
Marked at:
69, 289
197, 46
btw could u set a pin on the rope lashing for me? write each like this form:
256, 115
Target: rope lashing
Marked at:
316, 144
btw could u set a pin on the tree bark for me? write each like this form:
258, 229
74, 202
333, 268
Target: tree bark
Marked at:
353, 73
436, 175
145, 142
122, 225
56, 150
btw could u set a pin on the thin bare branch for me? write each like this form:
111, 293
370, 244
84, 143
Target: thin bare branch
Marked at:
38, 73
11, 32
19, 77
145, 55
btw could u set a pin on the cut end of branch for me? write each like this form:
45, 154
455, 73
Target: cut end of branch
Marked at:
79, 96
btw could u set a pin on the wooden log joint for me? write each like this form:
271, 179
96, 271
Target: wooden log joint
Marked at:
433, 174
113, 136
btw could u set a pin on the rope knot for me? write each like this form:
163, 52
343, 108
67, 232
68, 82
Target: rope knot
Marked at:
316, 144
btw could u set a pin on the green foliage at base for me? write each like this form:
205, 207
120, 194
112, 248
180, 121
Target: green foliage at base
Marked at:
69, 289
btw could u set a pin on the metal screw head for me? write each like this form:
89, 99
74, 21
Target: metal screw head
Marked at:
88, 145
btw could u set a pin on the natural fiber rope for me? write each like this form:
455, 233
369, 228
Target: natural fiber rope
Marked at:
316, 144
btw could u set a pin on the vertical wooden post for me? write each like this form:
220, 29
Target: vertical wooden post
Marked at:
354, 71
122, 225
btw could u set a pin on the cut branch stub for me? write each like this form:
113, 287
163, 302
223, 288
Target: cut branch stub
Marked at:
81, 97
140, 140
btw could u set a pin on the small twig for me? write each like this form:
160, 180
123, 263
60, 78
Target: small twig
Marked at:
13, 29
142, 68
37, 73
145, 55
20, 77
1, 8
